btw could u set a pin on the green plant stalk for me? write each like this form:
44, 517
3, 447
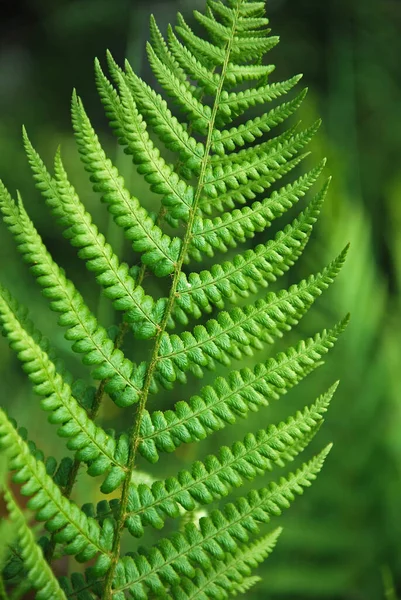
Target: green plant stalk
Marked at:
134, 438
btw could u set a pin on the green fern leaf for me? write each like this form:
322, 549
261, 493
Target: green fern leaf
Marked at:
90, 339
253, 47
219, 405
214, 77
236, 226
245, 191
141, 311
131, 127
255, 164
39, 572
224, 579
207, 53
235, 104
214, 479
217, 30
234, 333
193, 68
182, 94
90, 443
245, 10
167, 127
159, 251
177, 195
221, 10
162, 52
216, 535
290, 141
82, 536
237, 74
251, 9
246, 585
199, 292
247, 133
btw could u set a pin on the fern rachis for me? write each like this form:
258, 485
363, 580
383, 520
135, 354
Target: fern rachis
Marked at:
217, 168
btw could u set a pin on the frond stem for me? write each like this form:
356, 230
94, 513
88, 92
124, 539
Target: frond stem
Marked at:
135, 434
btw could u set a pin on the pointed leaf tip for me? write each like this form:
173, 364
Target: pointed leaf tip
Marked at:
332, 389
345, 321
325, 452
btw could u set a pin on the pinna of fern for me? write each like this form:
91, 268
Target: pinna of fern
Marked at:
223, 190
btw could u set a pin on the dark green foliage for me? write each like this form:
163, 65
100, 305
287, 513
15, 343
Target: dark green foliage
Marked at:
214, 555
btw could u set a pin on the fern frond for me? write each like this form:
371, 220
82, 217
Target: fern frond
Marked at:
177, 196
237, 74
246, 133
90, 339
208, 54
207, 481
82, 536
251, 9
199, 292
159, 251
252, 24
243, 24
222, 532
39, 572
216, 30
253, 46
182, 93
217, 166
236, 181
235, 104
246, 585
245, 191
89, 442
290, 141
194, 69
140, 310
240, 224
255, 162
209, 13
247, 11
233, 334
162, 52
173, 134
222, 10
228, 398
225, 579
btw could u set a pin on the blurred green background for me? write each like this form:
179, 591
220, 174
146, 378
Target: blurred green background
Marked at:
342, 540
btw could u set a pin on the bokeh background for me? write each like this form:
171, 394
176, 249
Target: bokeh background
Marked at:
342, 540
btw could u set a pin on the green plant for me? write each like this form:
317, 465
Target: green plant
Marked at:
218, 168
